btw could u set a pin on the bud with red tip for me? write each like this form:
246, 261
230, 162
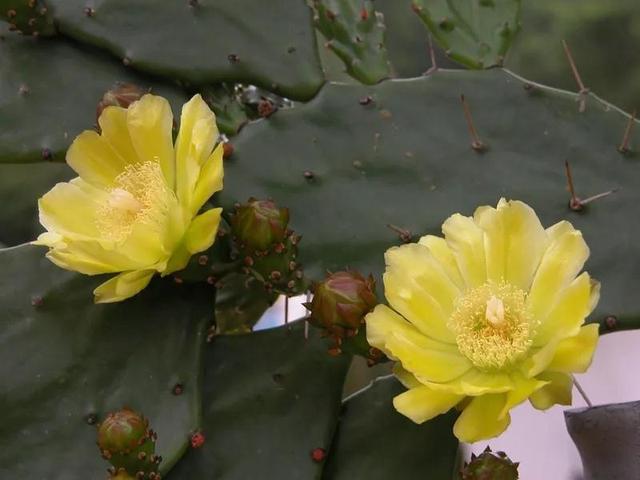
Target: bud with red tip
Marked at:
342, 300
490, 466
260, 223
339, 306
126, 441
120, 95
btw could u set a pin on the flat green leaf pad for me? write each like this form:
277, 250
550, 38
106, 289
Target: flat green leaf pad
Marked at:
475, 33
65, 363
375, 442
357, 159
267, 44
49, 93
269, 399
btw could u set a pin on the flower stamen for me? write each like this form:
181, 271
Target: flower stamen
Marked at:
140, 195
493, 326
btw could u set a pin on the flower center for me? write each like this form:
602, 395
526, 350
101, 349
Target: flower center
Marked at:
140, 195
493, 327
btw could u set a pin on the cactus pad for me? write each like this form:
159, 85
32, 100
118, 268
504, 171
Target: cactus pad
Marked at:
355, 33
49, 94
202, 41
475, 33
373, 441
349, 170
66, 363
255, 385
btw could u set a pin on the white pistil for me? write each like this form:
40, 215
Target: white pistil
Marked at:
495, 311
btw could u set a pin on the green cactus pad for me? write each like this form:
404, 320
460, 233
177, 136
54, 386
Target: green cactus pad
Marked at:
256, 386
475, 33
28, 17
355, 32
20, 187
404, 158
375, 442
49, 93
66, 363
271, 45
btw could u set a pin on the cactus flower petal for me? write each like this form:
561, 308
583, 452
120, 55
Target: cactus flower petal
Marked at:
557, 391
487, 317
421, 404
210, 179
195, 142
150, 123
482, 418
202, 231
574, 354
134, 207
123, 286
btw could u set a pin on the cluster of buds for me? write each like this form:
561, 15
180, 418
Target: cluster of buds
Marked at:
490, 466
267, 248
340, 303
126, 441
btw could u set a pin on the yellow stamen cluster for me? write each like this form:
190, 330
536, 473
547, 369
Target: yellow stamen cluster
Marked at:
492, 325
140, 195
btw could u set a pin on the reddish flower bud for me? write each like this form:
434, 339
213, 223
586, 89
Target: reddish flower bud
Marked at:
120, 95
259, 224
342, 300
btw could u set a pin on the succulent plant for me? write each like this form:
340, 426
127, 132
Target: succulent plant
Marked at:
356, 167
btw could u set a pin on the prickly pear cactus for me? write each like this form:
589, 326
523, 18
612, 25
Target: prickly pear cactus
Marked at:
355, 33
475, 33
354, 168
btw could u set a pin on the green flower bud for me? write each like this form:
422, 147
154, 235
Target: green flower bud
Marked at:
490, 466
341, 302
258, 224
125, 440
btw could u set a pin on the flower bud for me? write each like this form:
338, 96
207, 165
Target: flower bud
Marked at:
120, 95
341, 301
125, 440
259, 224
490, 466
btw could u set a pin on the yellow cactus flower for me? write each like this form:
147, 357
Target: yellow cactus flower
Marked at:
134, 208
487, 317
